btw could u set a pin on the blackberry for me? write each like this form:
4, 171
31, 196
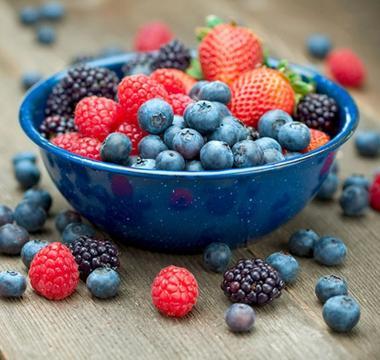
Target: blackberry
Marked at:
252, 281
173, 55
80, 81
140, 64
90, 253
318, 111
56, 125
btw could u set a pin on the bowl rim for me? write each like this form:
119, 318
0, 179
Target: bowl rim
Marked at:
347, 105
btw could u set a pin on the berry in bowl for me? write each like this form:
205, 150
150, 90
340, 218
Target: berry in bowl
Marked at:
165, 157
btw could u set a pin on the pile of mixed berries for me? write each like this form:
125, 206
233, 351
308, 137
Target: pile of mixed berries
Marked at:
236, 111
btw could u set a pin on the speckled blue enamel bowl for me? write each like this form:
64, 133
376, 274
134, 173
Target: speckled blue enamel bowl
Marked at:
185, 211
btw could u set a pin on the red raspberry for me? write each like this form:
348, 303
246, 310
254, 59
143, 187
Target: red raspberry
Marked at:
179, 103
174, 291
53, 272
346, 67
172, 83
152, 36
374, 194
97, 116
318, 138
134, 90
134, 132
80, 145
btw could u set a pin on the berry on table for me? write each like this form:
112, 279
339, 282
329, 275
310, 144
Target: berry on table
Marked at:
216, 155
317, 139
252, 281
26, 173
330, 251
135, 134
188, 142
147, 164
356, 180
39, 197
151, 36
247, 153
52, 11
341, 313
215, 91
30, 249
24, 155
318, 45
266, 143
354, 200
91, 253
30, 216
57, 125
271, 156
12, 239
53, 272
75, 230
194, 165
285, 264
173, 55
294, 136
29, 15
216, 257
103, 283
174, 291
6, 215
328, 188
367, 143
270, 123
150, 146
179, 103
170, 160
374, 194
116, 149
45, 35
155, 116
329, 286
29, 79
240, 317
202, 116
12, 284
301, 242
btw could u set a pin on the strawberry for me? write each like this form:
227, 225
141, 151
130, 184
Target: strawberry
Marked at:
258, 91
227, 51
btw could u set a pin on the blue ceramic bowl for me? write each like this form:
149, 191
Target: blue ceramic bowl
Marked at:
185, 211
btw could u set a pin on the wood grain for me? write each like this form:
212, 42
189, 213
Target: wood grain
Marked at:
128, 326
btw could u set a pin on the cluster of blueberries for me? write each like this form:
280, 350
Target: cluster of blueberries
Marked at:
207, 137
340, 311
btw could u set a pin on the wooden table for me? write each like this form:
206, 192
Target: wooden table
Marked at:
128, 326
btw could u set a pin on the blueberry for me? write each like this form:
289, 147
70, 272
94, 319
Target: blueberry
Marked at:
354, 200
147, 164
155, 116
75, 230
329, 286
330, 251
341, 313
216, 257
285, 264
30, 249
270, 123
6, 215
357, 180
39, 198
116, 149
29, 79
194, 165
202, 116
222, 108
65, 218
12, 284
318, 45
170, 160
179, 121
12, 239
30, 216
240, 317
24, 155
329, 187
29, 15
266, 143
228, 133
188, 142
216, 155
294, 136
247, 153
169, 134
243, 131
103, 283
150, 146
194, 92
46, 35
215, 91
271, 156
292, 154
368, 143
52, 11
27, 173
301, 242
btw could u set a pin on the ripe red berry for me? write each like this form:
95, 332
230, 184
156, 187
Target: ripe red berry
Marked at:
179, 102
135, 90
53, 272
374, 193
318, 138
152, 36
346, 67
174, 291
171, 82
134, 132
97, 116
